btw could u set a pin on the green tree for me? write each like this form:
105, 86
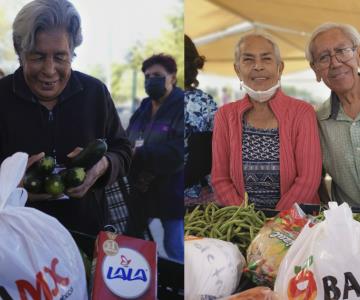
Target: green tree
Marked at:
126, 77
117, 79
124, 74
171, 42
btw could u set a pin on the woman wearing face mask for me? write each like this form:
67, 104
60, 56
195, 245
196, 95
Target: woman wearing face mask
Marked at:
156, 131
267, 143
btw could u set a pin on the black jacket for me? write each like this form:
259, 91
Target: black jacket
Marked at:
161, 156
84, 112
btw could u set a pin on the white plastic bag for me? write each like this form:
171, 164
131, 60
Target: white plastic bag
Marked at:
212, 268
38, 257
256, 293
324, 261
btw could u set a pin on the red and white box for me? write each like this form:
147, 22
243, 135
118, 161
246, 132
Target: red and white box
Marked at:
125, 268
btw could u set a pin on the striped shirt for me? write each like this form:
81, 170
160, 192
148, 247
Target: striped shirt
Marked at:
260, 151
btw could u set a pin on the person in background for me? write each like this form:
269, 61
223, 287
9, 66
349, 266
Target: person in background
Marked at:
49, 109
156, 131
266, 144
334, 55
200, 108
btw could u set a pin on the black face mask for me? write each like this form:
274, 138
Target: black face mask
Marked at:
155, 87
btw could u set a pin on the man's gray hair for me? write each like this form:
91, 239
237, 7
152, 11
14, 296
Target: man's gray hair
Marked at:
266, 36
44, 15
348, 30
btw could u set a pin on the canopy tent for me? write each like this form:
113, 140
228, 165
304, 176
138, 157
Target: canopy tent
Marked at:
216, 25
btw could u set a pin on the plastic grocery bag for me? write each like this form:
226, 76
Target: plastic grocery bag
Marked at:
38, 257
212, 268
257, 293
324, 261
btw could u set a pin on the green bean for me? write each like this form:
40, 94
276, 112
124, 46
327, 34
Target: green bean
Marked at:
193, 228
251, 233
237, 224
197, 222
194, 212
229, 233
227, 224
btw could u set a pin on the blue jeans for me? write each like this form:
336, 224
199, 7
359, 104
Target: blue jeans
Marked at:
174, 238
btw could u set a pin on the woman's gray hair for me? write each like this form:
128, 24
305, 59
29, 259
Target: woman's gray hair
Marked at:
348, 30
265, 36
44, 15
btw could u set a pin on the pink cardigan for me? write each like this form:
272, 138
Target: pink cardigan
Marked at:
300, 152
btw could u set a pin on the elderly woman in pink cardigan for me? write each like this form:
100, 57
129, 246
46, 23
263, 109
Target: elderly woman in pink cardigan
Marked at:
267, 143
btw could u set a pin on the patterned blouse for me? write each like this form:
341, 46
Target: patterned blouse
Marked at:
261, 165
200, 109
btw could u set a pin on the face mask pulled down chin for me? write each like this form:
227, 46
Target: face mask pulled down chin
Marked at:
155, 87
261, 96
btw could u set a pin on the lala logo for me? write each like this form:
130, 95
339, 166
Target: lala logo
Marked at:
126, 274
124, 261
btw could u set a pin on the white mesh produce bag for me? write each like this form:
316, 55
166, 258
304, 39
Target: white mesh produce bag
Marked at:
212, 268
39, 259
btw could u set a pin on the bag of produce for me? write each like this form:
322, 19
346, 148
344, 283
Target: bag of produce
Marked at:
38, 257
324, 261
212, 268
269, 247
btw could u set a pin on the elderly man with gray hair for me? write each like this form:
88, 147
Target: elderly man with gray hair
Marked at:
333, 52
49, 109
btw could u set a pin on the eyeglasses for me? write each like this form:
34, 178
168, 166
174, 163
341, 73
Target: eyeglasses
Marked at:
342, 55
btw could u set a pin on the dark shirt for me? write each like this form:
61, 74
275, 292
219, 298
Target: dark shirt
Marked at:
84, 112
162, 154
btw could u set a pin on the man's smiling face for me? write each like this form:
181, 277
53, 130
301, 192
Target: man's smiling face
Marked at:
47, 68
338, 76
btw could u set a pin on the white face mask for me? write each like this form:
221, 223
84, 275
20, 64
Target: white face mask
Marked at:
261, 96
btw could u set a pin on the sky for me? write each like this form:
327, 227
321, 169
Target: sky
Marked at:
111, 27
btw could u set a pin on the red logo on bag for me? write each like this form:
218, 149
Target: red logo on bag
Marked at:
303, 285
42, 286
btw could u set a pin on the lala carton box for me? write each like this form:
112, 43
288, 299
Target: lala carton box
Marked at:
125, 268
